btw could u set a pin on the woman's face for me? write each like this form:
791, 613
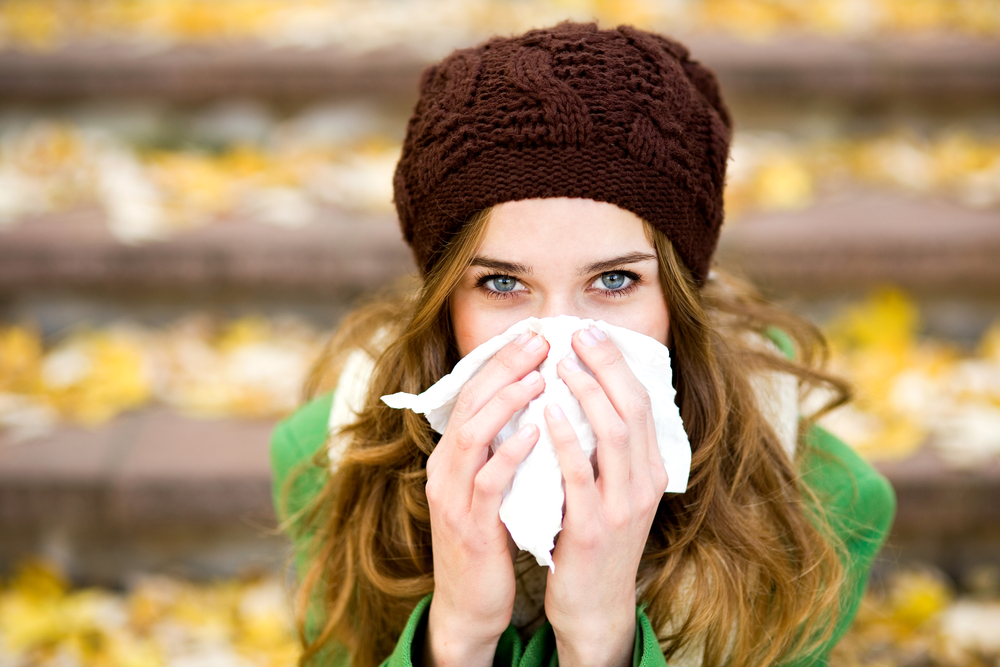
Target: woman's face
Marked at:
560, 256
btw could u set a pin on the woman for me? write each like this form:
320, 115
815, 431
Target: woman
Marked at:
572, 171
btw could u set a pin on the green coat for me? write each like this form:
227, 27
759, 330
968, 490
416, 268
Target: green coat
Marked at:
862, 506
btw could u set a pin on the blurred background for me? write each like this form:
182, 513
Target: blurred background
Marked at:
192, 194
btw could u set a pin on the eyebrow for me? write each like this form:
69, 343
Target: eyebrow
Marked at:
509, 268
615, 262
514, 268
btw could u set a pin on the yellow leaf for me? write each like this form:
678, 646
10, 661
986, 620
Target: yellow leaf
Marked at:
244, 331
917, 597
31, 22
29, 622
37, 579
784, 184
886, 320
20, 360
898, 439
989, 345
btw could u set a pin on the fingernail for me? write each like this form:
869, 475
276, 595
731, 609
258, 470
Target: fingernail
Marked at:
534, 345
523, 338
556, 412
570, 364
526, 431
587, 338
597, 333
530, 378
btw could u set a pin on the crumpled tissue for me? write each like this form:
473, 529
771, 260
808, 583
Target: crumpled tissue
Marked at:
532, 507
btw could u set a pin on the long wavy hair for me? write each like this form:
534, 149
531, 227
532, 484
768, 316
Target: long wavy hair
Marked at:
747, 545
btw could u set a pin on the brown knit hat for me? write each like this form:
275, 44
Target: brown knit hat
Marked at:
621, 116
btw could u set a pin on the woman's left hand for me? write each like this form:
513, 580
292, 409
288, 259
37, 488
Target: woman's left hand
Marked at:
590, 598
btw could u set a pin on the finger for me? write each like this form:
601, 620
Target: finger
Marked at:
467, 444
626, 393
498, 472
577, 471
623, 389
614, 448
511, 363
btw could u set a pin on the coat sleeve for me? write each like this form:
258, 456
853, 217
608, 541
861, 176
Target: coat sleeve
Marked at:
860, 505
511, 652
296, 480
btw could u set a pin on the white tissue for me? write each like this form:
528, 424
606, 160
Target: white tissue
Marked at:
532, 507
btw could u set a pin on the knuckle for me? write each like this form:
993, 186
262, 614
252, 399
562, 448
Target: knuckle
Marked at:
579, 471
618, 435
465, 406
660, 479
434, 492
465, 437
507, 362
609, 358
590, 389
485, 482
647, 501
451, 519
504, 457
508, 394
638, 407
432, 463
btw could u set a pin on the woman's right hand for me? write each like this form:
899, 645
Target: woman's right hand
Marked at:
473, 571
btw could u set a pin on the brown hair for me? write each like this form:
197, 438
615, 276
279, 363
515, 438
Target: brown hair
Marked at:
747, 541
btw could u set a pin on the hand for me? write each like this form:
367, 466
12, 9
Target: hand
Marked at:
590, 598
473, 571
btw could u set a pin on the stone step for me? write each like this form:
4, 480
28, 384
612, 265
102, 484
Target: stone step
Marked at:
845, 243
154, 490
881, 67
150, 491
861, 238
75, 249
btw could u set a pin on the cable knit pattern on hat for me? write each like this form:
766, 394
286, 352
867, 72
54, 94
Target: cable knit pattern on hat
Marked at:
621, 116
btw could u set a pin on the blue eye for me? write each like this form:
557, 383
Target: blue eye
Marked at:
503, 283
613, 280
616, 283
499, 286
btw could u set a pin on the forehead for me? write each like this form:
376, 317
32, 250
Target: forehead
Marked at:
561, 227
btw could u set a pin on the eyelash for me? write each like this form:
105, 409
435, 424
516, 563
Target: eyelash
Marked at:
635, 279
493, 294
